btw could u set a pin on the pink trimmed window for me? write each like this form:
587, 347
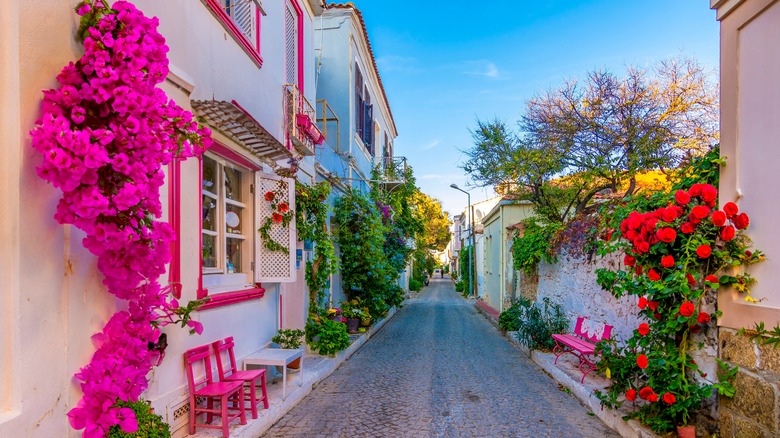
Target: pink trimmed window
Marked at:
293, 44
241, 18
227, 228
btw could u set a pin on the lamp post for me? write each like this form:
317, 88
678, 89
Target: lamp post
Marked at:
473, 261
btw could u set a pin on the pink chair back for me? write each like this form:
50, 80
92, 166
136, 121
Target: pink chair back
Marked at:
194, 356
225, 346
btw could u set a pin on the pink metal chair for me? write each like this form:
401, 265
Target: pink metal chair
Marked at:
207, 388
228, 372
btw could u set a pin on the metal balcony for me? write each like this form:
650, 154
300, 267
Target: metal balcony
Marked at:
300, 121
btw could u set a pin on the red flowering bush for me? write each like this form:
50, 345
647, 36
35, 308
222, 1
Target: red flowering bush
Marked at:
281, 215
104, 135
675, 245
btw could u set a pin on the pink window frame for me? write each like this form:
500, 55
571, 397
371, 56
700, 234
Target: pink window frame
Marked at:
229, 297
252, 48
174, 219
299, 25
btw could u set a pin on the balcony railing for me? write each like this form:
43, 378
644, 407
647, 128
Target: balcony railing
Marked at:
392, 171
300, 121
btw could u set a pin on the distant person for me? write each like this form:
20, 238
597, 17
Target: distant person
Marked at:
442, 273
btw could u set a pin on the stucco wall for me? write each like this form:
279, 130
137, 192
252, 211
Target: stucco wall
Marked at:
572, 283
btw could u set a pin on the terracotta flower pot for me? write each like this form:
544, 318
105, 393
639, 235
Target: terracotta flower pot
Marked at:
686, 431
294, 365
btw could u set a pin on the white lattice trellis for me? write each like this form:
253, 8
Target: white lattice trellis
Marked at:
275, 266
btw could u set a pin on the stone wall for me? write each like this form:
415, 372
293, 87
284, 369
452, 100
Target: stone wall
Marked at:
754, 410
571, 282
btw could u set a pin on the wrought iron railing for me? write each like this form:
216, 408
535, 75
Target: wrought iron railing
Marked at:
300, 121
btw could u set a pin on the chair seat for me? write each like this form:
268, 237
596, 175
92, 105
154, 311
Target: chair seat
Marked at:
218, 389
245, 376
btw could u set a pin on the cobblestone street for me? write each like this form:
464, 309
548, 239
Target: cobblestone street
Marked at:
438, 368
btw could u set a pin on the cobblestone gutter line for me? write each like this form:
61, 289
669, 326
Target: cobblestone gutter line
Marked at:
568, 375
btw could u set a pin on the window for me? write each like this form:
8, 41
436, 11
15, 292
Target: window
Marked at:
364, 112
226, 225
241, 18
293, 44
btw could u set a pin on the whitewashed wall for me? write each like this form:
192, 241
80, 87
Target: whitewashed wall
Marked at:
571, 282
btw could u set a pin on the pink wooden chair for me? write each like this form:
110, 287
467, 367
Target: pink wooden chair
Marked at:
207, 388
228, 372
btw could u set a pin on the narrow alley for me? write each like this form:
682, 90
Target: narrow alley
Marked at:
439, 369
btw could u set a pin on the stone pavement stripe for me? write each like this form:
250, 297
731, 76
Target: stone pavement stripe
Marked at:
438, 369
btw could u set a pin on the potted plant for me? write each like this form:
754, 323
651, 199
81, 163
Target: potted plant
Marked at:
353, 313
292, 339
334, 314
365, 320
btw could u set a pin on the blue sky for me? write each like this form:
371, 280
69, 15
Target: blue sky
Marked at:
446, 64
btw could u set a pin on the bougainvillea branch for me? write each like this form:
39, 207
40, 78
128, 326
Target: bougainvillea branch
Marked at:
105, 134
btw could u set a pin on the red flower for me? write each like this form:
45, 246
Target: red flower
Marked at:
718, 218
642, 302
708, 193
654, 276
731, 209
652, 398
657, 315
727, 233
643, 329
641, 361
741, 221
638, 270
691, 280
695, 190
687, 308
711, 278
631, 235
283, 207
643, 247
653, 305
629, 261
700, 211
666, 234
631, 394
670, 213
276, 217
645, 392
703, 251
624, 226
687, 228
667, 261
703, 318
682, 197
269, 196
669, 398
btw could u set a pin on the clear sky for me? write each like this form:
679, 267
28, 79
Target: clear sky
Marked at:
446, 64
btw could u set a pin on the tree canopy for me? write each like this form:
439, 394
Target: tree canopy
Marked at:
596, 135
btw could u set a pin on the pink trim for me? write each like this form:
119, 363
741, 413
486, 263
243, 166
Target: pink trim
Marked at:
202, 293
241, 39
299, 13
174, 218
233, 156
227, 298
257, 32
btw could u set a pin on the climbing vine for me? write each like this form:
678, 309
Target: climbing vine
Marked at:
311, 212
104, 135
280, 214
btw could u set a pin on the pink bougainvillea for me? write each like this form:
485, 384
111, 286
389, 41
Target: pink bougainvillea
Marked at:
104, 135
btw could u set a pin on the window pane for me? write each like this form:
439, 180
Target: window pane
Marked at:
209, 213
209, 175
208, 251
234, 255
232, 184
233, 219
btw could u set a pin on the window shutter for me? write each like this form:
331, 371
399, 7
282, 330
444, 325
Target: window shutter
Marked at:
242, 15
274, 266
290, 31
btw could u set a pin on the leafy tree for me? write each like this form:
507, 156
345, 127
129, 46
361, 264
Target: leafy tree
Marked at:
435, 223
597, 135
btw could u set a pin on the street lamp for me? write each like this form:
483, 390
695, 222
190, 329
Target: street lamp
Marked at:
473, 261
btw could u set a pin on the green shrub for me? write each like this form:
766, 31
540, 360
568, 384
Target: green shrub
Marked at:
149, 424
327, 337
460, 286
415, 285
534, 245
538, 322
509, 319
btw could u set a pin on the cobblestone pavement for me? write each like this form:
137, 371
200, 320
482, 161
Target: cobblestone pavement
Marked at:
439, 369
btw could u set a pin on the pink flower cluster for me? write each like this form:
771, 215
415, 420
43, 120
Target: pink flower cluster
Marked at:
105, 134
